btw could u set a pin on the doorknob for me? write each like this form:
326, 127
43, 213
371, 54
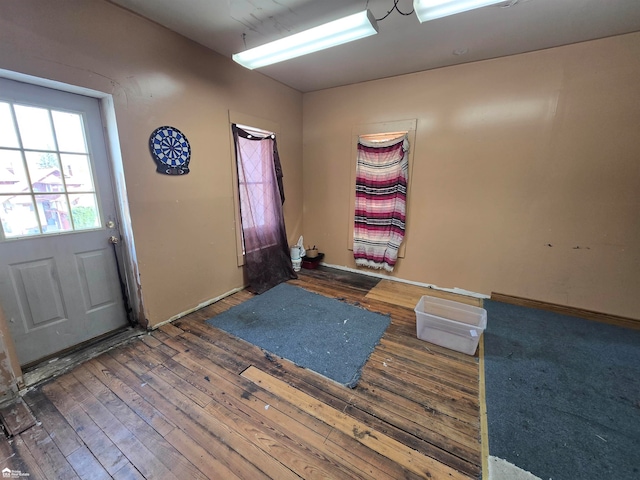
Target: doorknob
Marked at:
114, 240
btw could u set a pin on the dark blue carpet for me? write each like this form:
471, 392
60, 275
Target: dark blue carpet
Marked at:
563, 394
322, 334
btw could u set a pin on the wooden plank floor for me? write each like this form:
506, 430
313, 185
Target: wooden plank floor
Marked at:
190, 401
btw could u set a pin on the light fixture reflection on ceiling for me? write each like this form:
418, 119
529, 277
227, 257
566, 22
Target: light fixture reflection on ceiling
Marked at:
343, 30
431, 9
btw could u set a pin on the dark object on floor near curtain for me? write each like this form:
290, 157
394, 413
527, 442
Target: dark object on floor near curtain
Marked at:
563, 394
266, 250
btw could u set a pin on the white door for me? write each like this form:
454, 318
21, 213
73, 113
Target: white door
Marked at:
58, 279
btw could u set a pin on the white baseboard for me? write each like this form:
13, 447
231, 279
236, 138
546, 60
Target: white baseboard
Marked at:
459, 291
198, 307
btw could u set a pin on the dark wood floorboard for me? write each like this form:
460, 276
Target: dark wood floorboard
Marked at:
190, 401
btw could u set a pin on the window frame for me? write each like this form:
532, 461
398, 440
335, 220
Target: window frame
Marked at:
383, 130
260, 126
65, 192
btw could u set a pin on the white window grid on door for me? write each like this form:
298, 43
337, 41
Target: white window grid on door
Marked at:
47, 185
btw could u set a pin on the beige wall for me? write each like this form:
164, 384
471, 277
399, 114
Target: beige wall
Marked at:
518, 161
183, 227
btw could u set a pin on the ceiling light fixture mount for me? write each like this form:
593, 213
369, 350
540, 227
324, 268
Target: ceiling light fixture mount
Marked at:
433, 9
394, 7
343, 30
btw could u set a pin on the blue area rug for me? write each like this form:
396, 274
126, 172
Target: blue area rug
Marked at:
322, 334
563, 394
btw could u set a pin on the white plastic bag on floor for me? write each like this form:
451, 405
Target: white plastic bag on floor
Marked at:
300, 246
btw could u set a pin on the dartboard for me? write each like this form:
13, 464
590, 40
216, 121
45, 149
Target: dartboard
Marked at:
170, 147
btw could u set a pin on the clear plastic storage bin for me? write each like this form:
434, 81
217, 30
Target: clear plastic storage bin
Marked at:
450, 324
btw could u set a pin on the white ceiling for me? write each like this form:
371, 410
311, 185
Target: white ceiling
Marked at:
403, 45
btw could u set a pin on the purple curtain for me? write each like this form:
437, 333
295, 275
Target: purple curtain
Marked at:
266, 251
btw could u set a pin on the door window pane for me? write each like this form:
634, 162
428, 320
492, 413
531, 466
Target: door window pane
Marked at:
69, 132
54, 213
84, 209
35, 128
77, 173
8, 137
44, 169
43, 190
18, 216
13, 178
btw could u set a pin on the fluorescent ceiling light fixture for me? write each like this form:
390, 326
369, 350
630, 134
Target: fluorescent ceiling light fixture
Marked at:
343, 30
431, 9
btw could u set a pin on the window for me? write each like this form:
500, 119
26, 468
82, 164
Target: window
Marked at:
379, 132
261, 127
265, 250
46, 180
256, 180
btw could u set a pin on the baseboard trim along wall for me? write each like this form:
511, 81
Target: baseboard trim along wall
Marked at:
459, 291
567, 310
197, 307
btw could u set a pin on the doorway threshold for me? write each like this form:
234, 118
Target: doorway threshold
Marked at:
65, 361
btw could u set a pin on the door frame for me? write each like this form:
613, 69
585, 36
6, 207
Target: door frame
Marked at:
129, 262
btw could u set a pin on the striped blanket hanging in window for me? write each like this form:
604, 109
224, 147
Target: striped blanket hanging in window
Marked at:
381, 193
